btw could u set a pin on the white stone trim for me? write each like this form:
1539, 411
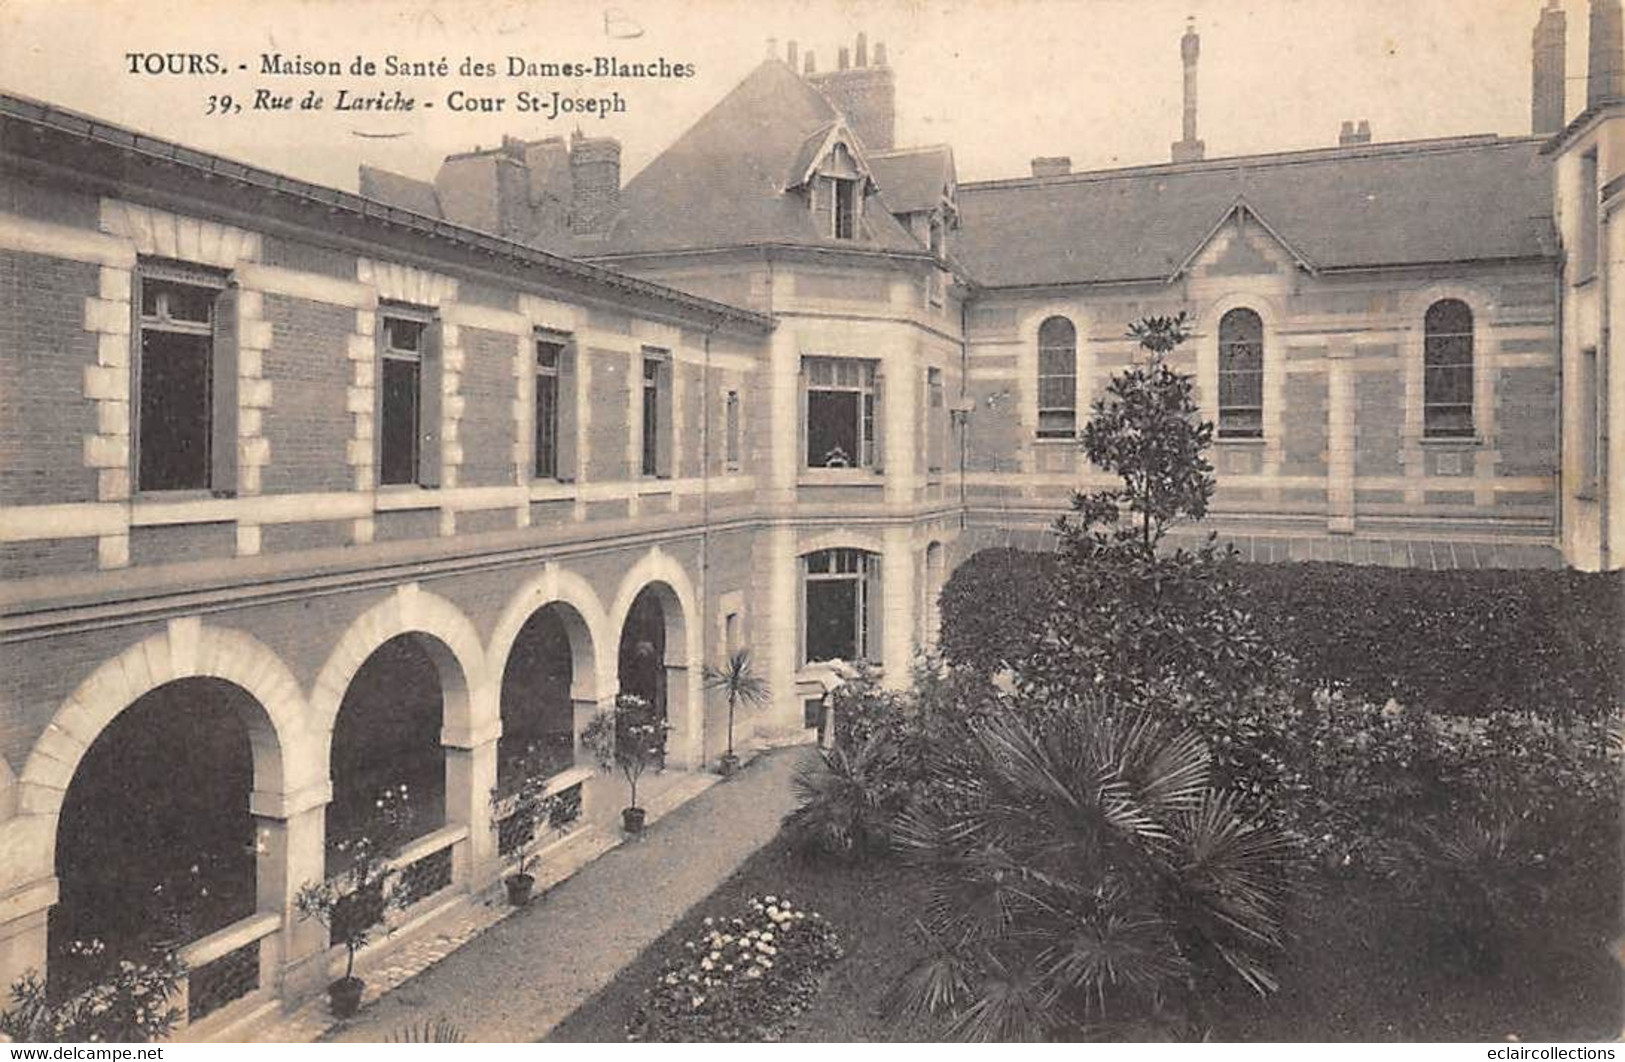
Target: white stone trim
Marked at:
31, 236
187, 239
403, 283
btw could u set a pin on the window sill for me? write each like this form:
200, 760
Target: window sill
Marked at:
840, 477
404, 497
652, 485
1055, 440
1585, 281
1446, 442
1243, 441
551, 489
158, 508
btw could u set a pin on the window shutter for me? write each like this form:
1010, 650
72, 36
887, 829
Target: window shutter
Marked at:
873, 603
566, 447
823, 207
801, 417
878, 458
223, 399
666, 406
378, 341
430, 394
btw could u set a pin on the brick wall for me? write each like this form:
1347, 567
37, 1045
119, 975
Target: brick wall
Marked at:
292, 538
308, 258
44, 351
1304, 427
308, 427
487, 427
182, 542
607, 430
1379, 420
1526, 421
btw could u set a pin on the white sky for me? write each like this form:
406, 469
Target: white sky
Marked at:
1000, 80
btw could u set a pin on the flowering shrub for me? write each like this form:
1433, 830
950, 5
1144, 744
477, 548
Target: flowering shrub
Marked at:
128, 1003
353, 903
630, 738
741, 978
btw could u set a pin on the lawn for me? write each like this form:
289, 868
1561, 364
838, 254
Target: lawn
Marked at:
1358, 967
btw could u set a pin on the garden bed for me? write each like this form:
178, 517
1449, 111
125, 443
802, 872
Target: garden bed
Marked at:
1356, 969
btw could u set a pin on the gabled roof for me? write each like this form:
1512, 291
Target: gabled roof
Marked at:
398, 190
723, 182
1240, 209
916, 179
1409, 203
817, 147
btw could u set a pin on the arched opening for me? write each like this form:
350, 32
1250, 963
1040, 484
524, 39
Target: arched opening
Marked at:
551, 655
1447, 385
1057, 378
642, 658
155, 844
1241, 374
387, 735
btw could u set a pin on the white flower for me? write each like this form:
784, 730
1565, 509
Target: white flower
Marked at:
772, 899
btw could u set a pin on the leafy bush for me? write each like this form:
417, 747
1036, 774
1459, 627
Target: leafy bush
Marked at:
1084, 874
128, 1003
743, 978
1463, 643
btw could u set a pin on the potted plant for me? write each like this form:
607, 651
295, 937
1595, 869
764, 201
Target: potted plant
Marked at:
629, 738
352, 904
743, 686
515, 817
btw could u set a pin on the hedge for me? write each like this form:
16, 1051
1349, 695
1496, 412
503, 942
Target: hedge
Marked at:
1461, 642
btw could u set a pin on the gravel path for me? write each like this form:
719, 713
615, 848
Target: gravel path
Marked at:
523, 976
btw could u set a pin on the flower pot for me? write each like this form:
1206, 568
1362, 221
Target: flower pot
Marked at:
519, 886
632, 819
344, 996
728, 764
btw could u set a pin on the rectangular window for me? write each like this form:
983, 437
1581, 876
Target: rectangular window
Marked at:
731, 432
841, 409
839, 593
936, 422
399, 427
655, 452
549, 364
185, 380
845, 209
1585, 251
1590, 422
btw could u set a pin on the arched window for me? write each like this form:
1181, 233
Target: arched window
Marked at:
1447, 387
1057, 379
1241, 374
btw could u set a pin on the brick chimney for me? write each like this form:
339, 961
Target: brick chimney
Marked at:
595, 182
1052, 166
1549, 68
866, 95
1605, 80
1190, 149
1353, 135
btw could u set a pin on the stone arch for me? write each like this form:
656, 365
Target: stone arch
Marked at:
470, 712
283, 763
840, 538
680, 611
554, 585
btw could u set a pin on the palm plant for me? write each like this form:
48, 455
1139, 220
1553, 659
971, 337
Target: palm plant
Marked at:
1083, 875
742, 686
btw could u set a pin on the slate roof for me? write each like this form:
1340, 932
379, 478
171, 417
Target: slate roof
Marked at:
398, 190
722, 183
913, 180
1407, 203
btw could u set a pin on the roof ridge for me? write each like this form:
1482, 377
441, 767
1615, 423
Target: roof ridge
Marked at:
1428, 145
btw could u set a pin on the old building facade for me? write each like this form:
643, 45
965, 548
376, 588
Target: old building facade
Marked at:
306, 493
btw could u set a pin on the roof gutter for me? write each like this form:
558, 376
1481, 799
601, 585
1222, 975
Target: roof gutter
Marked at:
93, 131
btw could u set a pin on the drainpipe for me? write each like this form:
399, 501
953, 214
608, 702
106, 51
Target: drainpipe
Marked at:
964, 393
1605, 430
1560, 284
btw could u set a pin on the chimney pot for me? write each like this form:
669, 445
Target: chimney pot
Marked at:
1607, 67
843, 58
810, 66
790, 54
1364, 131
862, 50
1052, 165
880, 53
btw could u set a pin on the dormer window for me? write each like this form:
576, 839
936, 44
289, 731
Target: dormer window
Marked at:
845, 208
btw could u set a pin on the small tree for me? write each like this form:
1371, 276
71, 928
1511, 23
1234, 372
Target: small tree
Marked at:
630, 738
520, 811
352, 904
1149, 430
742, 686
